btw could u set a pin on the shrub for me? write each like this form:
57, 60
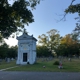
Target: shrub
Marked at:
56, 63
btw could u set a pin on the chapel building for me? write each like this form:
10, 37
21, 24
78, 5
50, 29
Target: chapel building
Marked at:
26, 49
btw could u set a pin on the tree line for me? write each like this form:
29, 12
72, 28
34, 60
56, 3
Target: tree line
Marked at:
52, 44
6, 51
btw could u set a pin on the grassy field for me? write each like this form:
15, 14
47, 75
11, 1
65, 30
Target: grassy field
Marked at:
68, 66
4, 64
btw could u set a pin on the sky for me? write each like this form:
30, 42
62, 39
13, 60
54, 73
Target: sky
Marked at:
47, 16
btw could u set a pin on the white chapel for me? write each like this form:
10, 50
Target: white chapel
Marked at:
26, 49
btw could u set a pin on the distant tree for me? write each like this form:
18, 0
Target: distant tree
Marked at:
75, 36
43, 51
67, 39
14, 16
68, 46
3, 50
51, 39
6, 51
12, 52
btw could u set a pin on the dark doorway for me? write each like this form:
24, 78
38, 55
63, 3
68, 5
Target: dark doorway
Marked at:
24, 57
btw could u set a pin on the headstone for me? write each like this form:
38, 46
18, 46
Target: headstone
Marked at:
60, 58
44, 66
43, 59
69, 59
50, 58
8, 60
12, 59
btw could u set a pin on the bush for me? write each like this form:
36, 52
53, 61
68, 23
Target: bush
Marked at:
56, 63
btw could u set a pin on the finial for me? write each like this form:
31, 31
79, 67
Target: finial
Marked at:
24, 31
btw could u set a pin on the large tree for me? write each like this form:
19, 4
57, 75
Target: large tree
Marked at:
74, 8
50, 39
14, 16
69, 46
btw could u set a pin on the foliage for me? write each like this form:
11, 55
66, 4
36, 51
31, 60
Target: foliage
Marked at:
12, 52
43, 51
75, 36
51, 39
14, 16
68, 47
5, 51
67, 40
74, 8
1, 40
56, 63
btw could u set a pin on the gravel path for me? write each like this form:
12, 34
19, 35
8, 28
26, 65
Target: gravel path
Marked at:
15, 75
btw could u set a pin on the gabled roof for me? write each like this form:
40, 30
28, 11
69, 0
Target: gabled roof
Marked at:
25, 36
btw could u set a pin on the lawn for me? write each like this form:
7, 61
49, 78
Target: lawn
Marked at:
4, 64
68, 66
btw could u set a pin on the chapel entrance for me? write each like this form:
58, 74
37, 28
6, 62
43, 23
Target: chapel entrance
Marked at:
24, 57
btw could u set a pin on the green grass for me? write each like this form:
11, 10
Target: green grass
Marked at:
73, 66
4, 64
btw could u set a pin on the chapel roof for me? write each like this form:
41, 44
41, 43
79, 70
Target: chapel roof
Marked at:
25, 36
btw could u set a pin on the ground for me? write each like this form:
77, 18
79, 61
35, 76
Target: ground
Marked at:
15, 75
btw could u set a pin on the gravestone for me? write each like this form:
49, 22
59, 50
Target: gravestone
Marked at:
12, 59
8, 60
69, 59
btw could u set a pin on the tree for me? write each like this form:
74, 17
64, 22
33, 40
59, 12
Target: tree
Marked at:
1, 40
43, 51
50, 39
75, 36
9, 52
12, 52
68, 46
3, 50
14, 16
74, 8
